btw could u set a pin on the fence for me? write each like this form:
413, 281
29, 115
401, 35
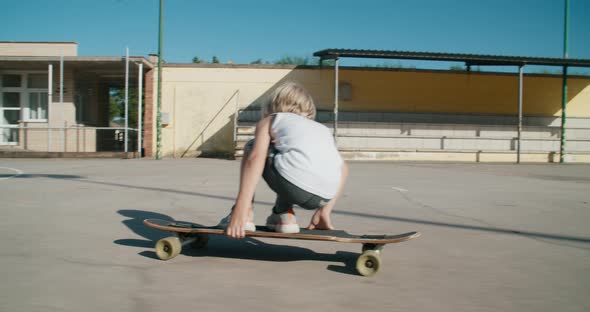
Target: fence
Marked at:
68, 139
411, 132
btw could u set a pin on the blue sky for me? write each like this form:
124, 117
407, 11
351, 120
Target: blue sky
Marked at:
243, 31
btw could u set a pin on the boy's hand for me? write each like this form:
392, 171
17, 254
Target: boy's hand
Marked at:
236, 226
321, 220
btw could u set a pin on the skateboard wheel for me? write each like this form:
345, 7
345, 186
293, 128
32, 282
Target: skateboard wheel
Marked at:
368, 263
200, 241
168, 248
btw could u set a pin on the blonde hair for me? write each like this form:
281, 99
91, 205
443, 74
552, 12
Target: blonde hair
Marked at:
290, 97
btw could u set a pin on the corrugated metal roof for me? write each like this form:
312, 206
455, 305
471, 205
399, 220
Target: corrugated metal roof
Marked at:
468, 59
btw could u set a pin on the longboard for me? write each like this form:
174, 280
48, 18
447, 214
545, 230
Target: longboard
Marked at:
197, 236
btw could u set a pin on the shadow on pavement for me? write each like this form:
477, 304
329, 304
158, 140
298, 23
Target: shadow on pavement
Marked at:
224, 247
536, 235
576, 239
32, 176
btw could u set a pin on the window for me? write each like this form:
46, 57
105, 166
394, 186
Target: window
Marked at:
37, 105
10, 108
11, 100
37, 81
26, 92
11, 81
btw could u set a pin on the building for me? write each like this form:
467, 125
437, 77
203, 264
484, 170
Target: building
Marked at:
52, 100
210, 109
384, 113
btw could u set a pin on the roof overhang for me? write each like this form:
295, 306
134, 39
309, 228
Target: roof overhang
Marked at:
78, 62
468, 59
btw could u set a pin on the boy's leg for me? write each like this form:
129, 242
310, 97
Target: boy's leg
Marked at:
282, 219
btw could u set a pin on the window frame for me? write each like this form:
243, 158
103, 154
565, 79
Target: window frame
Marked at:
25, 91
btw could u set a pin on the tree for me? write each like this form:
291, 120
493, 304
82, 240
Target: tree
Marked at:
215, 60
293, 60
258, 61
117, 105
324, 63
197, 60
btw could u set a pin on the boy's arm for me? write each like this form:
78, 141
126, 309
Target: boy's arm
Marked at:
250, 176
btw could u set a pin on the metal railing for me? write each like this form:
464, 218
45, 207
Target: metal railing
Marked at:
68, 139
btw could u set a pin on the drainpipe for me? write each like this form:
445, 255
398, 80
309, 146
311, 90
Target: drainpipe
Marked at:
159, 108
520, 73
139, 109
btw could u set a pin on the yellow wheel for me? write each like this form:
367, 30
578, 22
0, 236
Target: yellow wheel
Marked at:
168, 248
368, 263
200, 241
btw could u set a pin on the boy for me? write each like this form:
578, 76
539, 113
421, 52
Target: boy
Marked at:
298, 159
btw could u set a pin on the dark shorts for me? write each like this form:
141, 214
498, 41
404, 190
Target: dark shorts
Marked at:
288, 194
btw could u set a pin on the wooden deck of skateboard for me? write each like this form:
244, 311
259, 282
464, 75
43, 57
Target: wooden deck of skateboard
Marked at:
262, 231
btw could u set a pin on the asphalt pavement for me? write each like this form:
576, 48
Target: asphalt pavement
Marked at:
495, 237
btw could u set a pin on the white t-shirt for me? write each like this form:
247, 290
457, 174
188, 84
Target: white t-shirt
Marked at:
307, 155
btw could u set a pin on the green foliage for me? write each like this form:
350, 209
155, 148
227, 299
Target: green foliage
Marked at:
215, 60
293, 60
396, 64
324, 63
456, 67
548, 72
302, 61
197, 60
117, 105
258, 61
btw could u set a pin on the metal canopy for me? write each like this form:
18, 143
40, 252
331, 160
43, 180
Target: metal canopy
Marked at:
468, 59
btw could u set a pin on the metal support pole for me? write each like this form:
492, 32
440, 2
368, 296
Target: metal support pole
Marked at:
139, 109
336, 101
159, 108
61, 100
564, 87
126, 98
563, 116
236, 117
49, 101
520, 79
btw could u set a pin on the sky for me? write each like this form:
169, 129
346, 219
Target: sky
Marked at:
246, 30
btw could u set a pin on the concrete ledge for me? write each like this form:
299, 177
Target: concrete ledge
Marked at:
455, 156
25, 154
463, 156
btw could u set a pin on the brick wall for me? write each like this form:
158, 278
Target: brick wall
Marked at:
148, 119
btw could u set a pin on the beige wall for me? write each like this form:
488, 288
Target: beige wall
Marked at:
201, 103
38, 49
35, 138
201, 100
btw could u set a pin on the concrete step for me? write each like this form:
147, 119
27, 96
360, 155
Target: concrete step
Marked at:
240, 145
245, 130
